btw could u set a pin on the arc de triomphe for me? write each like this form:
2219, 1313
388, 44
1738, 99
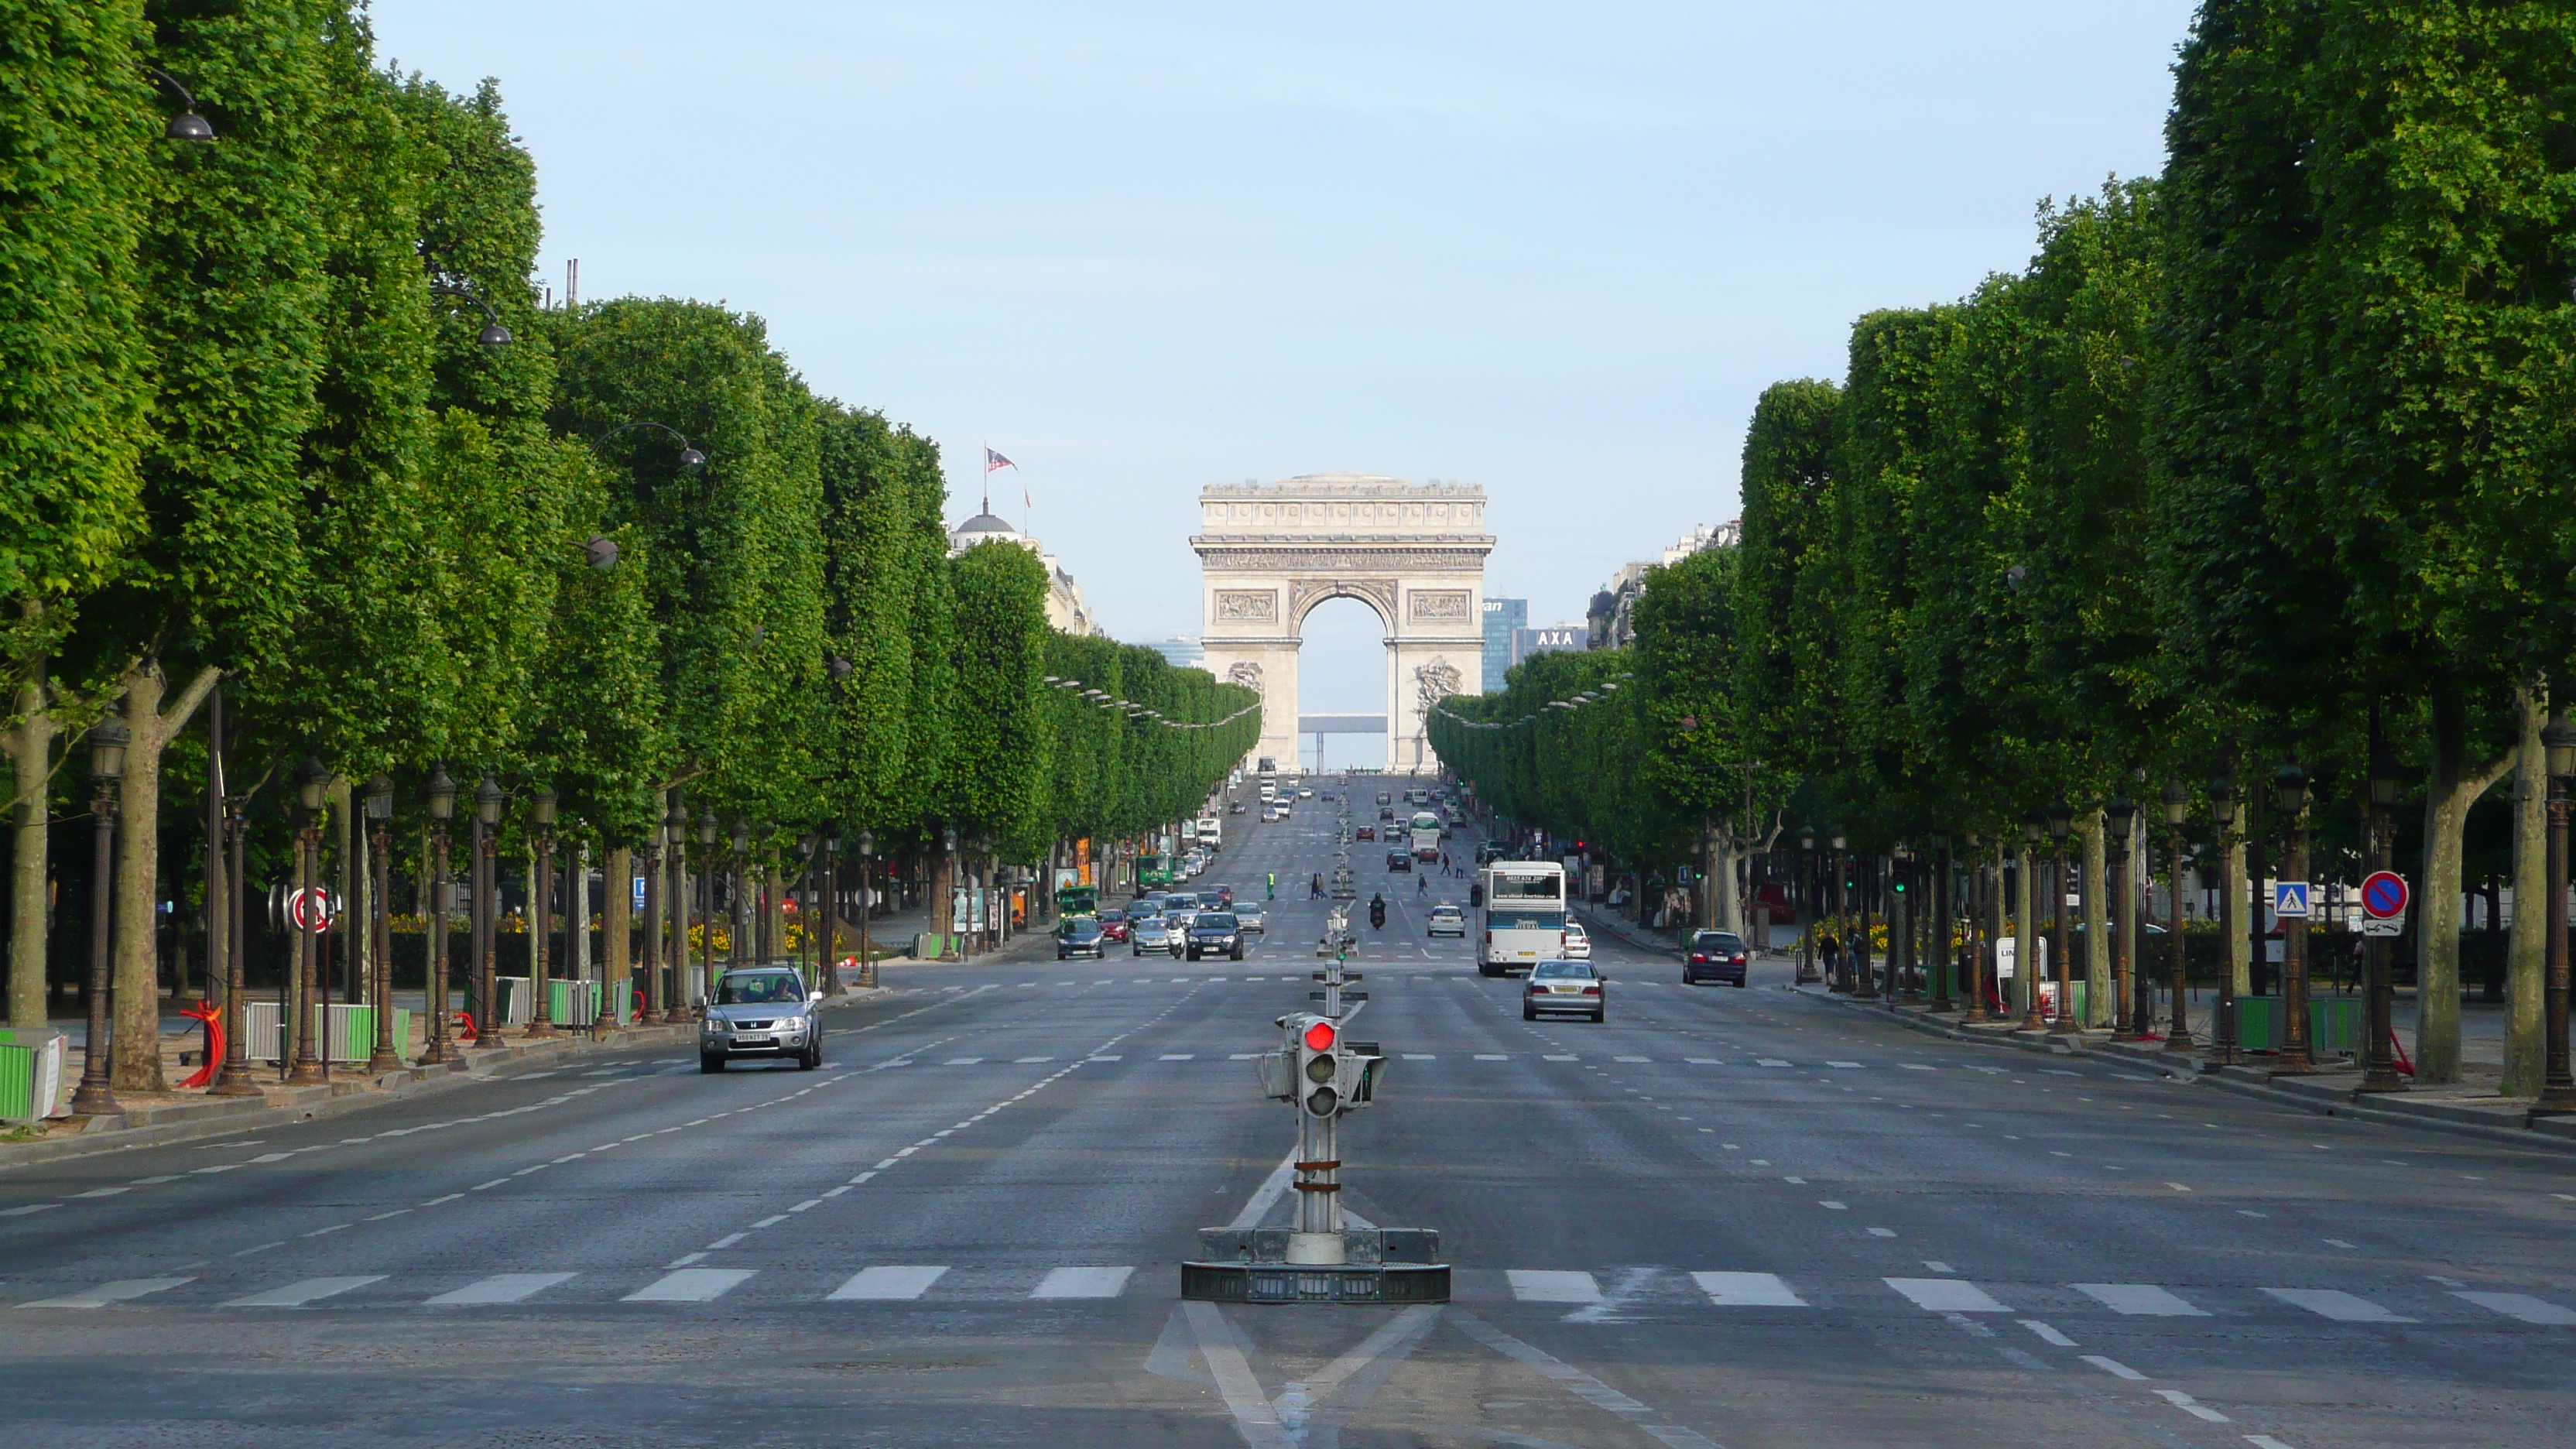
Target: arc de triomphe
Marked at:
1413, 552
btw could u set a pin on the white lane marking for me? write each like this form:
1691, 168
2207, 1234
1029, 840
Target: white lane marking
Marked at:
1575, 1381
1541, 1285
33, 1207
1253, 1416
1843, 1064
1946, 1295
690, 1285
1492, 1057
1882, 1232
1913, 1066
888, 1284
501, 1288
1082, 1283
102, 1192
121, 1291
1770, 1062
1272, 1187
2139, 1300
1747, 1290
310, 1290
961, 1061
1421, 1056
2113, 1367
1179, 1056
2192, 1406
1632, 1059
1023, 1061
2336, 1304
2522, 1306
2047, 1334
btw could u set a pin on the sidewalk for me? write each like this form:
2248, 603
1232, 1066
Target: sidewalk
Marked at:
2472, 1107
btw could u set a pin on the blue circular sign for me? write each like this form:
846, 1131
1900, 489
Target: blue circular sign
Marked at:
2384, 894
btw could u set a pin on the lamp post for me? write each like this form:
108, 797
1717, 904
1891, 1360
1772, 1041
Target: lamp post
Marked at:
2387, 783
956, 928
234, 1080
1943, 961
867, 862
2224, 1040
442, 809
705, 973
107, 740
654, 897
742, 907
2061, 817
2290, 795
1904, 978
541, 918
2177, 810
1842, 924
2118, 815
311, 780
379, 802
1972, 938
675, 836
2026, 927
1807, 898
487, 985
2557, 1087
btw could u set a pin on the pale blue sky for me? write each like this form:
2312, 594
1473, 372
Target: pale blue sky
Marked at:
1556, 250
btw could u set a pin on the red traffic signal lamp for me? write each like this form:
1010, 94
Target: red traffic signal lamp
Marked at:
1321, 1067
1320, 1036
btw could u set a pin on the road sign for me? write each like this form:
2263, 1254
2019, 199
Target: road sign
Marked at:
2383, 925
2290, 899
2385, 894
311, 909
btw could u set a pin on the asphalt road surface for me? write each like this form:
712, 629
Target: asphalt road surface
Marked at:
1732, 1217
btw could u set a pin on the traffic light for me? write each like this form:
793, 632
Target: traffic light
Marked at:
1319, 1065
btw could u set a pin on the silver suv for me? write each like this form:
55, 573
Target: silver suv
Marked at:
761, 1012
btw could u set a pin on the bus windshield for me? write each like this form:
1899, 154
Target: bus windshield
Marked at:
1526, 887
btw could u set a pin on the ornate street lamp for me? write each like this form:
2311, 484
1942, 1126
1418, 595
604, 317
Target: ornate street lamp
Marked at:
1842, 905
2557, 1087
187, 125
2177, 803
2026, 938
378, 802
108, 738
2387, 784
867, 862
1807, 901
312, 781
675, 840
2290, 796
1973, 941
493, 333
742, 905
708, 827
442, 810
541, 918
2118, 815
487, 815
689, 456
2225, 1042
2061, 817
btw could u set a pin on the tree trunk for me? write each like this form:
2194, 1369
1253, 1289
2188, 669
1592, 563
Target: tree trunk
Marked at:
2526, 952
2452, 788
1726, 912
2239, 944
2025, 982
137, 992
31, 747
617, 922
2097, 923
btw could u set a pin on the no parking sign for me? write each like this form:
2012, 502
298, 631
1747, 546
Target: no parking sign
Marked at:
2384, 898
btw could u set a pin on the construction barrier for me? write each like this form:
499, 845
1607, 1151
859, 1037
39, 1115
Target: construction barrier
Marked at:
348, 1038
33, 1082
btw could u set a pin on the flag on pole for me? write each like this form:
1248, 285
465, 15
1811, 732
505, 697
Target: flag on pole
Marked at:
993, 460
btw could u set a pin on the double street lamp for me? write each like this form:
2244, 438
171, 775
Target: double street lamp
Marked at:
107, 740
541, 1016
378, 803
442, 810
487, 985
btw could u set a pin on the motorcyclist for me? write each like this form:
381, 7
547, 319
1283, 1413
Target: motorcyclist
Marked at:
1377, 912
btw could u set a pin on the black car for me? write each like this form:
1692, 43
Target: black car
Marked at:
1715, 956
1399, 860
1081, 936
1215, 933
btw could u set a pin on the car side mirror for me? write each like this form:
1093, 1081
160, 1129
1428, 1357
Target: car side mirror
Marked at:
813, 998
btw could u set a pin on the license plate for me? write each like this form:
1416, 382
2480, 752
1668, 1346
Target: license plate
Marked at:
751, 1041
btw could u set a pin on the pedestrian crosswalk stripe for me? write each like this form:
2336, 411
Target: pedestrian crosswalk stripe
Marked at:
501, 1288
1492, 1057
1946, 1295
1747, 1290
1704, 1061
691, 1285
2139, 1300
1548, 1057
2520, 1305
1536, 1285
1632, 1059
1082, 1283
1925, 1067
123, 1290
309, 1290
1770, 1062
962, 1061
1842, 1064
1180, 1056
886, 1284
2336, 1304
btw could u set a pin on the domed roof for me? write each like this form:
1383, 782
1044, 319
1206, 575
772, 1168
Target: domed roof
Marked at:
985, 523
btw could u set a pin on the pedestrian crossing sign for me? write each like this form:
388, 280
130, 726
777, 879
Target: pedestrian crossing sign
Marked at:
2289, 898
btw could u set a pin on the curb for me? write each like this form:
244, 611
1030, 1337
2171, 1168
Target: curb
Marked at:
224, 1116
2306, 1095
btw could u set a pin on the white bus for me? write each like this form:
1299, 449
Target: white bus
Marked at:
1524, 916
1426, 835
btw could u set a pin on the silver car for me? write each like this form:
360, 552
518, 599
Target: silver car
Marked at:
1157, 934
1564, 986
1446, 920
761, 1012
1250, 917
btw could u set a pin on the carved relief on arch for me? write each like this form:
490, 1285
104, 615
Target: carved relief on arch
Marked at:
1305, 594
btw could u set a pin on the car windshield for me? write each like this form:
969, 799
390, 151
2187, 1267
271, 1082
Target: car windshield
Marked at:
759, 988
1444, 913
1560, 970
1108, 916
1213, 921
1716, 941
1082, 928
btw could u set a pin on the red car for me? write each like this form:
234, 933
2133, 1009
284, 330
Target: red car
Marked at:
1113, 926
1366, 833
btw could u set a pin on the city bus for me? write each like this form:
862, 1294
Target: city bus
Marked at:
1524, 916
1426, 836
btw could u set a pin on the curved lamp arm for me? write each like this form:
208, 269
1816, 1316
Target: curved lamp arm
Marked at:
493, 333
689, 456
187, 125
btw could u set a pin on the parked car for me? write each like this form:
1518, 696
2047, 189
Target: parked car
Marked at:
1447, 920
766, 1012
1215, 933
1715, 956
1564, 987
1081, 936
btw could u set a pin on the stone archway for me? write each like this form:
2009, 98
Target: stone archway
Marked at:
1413, 552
